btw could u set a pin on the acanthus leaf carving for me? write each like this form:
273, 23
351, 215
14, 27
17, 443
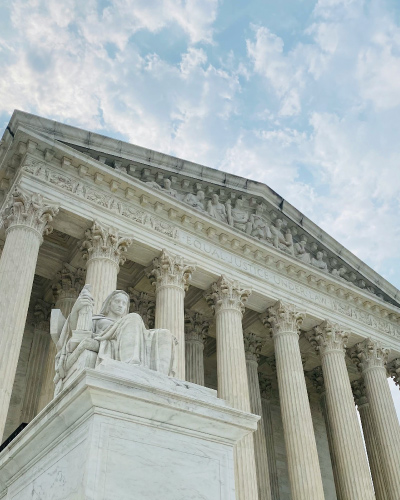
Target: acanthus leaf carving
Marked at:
171, 270
394, 370
369, 354
227, 294
252, 346
30, 210
317, 378
359, 392
106, 243
283, 317
328, 337
196, 327
143, 304
69, 282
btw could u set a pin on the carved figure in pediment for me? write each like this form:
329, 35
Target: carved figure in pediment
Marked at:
319, 262
154, 185
340, 272
168, 188
216, 209
114, 333
300, 250
259, 228
282, 241
195, 200
238, 217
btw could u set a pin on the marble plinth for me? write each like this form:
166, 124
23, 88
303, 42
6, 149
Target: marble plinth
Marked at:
121, 431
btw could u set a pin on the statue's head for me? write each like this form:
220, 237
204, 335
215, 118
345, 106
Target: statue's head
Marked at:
116, 304
167, 183
200, 195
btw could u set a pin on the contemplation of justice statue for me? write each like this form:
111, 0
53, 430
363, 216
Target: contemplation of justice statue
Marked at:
114, 334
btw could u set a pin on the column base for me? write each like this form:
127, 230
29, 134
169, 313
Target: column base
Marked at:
123, 431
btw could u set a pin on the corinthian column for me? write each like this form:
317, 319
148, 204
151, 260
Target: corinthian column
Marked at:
26, 219
65, 291
227, 299
301, 449
170, 275
375, 464
351, 461
394, 370
370, 359
317, 378
37, 360
266, 394
252, 347
196, 330
104, 249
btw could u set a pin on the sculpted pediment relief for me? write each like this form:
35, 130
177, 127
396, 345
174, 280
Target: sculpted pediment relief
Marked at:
245, 211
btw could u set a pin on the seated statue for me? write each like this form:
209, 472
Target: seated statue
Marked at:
195, 200
114, 333
300, 250
282, 241
259, 228
319, 262
238, 217
216, 209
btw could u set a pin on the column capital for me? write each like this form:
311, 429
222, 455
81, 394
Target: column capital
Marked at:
394, 370
69, 282
328, 337
265, 386
359, 392
102, 242
252, 346
171, 270
144, 304
41, 315
196, 327
29, 210
283, 318
369, 354
317, 378
227, 294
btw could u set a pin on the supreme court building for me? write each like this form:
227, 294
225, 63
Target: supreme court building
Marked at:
266, 308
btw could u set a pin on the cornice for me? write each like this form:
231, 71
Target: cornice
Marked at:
49, 134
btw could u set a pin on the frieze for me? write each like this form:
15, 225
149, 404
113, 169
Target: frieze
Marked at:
81, 189
271, 277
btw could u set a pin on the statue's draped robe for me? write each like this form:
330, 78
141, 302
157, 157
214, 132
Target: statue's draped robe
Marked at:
126, 340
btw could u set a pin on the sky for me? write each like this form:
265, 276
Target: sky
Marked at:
303, 95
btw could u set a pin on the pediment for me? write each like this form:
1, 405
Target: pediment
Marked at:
221, 203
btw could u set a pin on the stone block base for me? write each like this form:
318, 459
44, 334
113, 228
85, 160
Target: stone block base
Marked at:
125, 432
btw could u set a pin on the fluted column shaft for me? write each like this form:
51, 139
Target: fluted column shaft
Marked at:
194, 361
269, 441
65, 300
375, 464
25, 219
227, 299
170, 275
101, 274
301, 449
353, 474
371, 362
260, 445
104, 249
35, 371
196, 330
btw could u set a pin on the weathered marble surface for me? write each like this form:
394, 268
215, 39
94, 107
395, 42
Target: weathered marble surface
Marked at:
126, 432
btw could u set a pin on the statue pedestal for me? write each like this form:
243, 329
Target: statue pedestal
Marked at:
125, 432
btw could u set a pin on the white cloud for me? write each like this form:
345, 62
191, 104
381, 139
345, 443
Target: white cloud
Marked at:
278, 69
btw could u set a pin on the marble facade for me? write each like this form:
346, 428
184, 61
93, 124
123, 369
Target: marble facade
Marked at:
265, 307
